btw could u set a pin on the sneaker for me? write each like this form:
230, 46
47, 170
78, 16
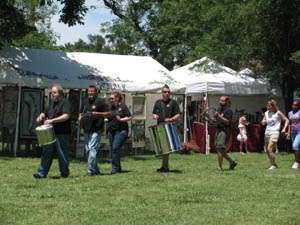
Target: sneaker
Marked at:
295, 165
273, 167
116, 171
92, 174
233, 165
163, 170
38, 176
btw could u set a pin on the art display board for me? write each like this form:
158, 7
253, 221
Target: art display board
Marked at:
31, 107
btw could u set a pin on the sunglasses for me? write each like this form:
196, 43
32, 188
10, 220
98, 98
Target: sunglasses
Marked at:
166, 91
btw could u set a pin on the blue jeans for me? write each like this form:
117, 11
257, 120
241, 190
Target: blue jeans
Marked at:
117, 139
61, 146
92, 145
296, 141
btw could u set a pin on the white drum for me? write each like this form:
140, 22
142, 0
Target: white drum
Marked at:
45, 134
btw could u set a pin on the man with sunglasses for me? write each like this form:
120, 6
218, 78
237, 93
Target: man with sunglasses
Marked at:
165, 110
91, 118
58, 115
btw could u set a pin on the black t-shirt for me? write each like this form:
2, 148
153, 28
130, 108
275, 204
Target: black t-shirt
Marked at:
227, 113
91, 123
113, 124
165, 109
57, 109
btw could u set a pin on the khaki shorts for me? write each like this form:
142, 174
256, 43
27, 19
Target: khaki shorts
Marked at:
221, 140
273, 137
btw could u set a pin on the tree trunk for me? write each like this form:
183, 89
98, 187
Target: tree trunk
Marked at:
288, 88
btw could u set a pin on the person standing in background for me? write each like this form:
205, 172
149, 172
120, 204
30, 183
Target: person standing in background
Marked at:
242, 136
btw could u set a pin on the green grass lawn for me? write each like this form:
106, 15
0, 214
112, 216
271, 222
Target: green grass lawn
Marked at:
196, 193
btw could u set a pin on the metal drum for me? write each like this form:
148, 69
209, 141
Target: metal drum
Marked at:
164, 138
45, 134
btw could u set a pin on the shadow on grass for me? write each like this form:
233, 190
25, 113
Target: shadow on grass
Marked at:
175, 171
142, 158
123, 171
63, 178
7, 158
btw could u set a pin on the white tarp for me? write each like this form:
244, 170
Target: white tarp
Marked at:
205, 75
41, 68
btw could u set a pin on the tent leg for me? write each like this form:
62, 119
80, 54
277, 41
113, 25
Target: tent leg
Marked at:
16, 143
207, 146
185, 121
78, 128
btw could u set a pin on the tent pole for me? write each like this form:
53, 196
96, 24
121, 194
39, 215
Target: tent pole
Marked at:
17, 122
207, 146
78, 127
185, 120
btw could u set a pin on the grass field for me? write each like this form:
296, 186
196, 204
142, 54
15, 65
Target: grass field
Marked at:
196, 192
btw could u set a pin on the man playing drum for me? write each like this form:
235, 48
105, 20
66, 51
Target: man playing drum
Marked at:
165, 110
224, 117
57, 115
91, 119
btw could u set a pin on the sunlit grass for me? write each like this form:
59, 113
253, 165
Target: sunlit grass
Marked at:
196, 192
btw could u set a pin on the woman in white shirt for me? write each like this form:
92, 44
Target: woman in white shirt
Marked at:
273, 118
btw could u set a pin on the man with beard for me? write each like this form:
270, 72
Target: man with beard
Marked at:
58, 115
224, 117
92, 120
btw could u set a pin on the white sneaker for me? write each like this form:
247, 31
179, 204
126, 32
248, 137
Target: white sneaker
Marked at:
295, 165
272, 167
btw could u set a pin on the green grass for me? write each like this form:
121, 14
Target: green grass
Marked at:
198, 193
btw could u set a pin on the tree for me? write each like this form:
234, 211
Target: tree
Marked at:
15, 21
37, 40
122, 39
96, 43
278, 39
26, 24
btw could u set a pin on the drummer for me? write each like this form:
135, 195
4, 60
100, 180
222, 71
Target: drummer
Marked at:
165, 110
91, 118
58, 115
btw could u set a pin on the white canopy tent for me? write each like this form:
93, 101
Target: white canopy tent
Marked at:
35, 68
208, 78
205, 75
41, 68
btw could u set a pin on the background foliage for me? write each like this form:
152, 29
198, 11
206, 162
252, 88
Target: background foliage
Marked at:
259, 34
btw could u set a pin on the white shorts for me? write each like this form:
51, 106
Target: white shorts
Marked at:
271, 137
239, 137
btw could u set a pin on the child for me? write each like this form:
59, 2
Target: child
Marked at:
242, 136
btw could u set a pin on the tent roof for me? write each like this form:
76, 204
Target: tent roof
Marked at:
205, 75
41, 68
